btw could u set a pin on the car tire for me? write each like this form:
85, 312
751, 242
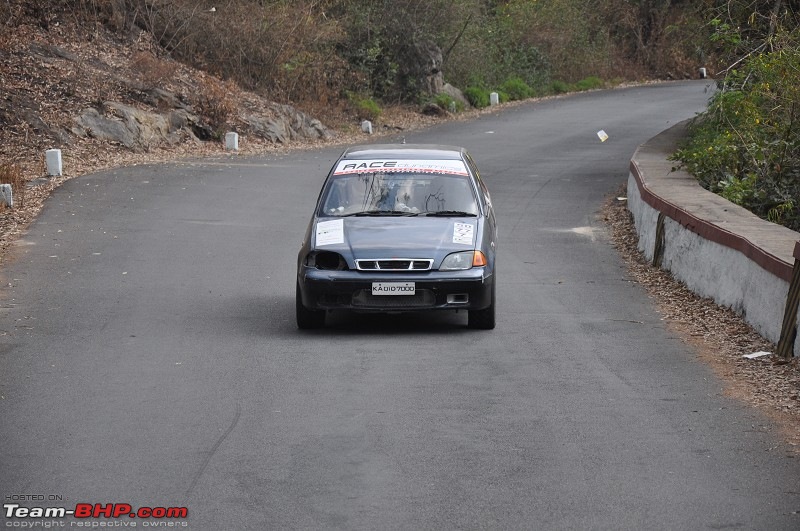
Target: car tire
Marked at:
307, 319
483, 319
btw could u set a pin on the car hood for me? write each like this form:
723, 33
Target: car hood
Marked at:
397, 237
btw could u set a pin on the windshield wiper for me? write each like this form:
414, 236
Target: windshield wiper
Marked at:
384, 213
451, 213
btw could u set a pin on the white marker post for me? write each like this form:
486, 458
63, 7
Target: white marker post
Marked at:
53, 158
6, 195
232, 141
494, 99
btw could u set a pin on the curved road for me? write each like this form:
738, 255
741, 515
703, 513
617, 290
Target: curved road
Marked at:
149, 356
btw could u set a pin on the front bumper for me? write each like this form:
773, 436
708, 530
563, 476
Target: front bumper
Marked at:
435, 290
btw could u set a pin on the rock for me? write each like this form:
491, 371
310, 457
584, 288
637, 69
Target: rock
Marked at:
266, 128
456, 94
301, 125
431, 109
140, 130
92, 123
283, 123
148, 128
51, 51
163, 99
134, 128
422, 66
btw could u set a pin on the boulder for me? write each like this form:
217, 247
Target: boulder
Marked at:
134, 128
432, 109
92, 123
283, 123
421, 66
139, 130
163, 99
267, 129
456, 94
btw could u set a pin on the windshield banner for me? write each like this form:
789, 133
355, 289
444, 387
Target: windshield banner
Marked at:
453, 167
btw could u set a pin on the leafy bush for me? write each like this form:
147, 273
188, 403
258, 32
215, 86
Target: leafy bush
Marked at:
558, 87
365, 108
214, 103
589, 83
746, 146
516, 89
446, 101
477, 97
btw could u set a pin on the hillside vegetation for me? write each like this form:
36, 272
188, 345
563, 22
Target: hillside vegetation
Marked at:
280, 71
336, 60
746, 147
319, 51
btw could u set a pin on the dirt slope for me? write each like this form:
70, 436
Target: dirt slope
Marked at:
53, 71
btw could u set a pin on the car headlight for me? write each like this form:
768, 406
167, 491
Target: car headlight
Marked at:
326, 261
463, 260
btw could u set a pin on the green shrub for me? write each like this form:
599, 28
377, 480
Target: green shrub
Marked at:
740, 190
364, 107
477, 97
516, 89
558, 87
589, 83
746, 146
446, 102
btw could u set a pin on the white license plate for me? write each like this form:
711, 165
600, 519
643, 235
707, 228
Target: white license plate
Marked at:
393, 288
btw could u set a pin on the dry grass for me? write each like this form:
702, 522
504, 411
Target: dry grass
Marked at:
152, 71
215, 101
12, 174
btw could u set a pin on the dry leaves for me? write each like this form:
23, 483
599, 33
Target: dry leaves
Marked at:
720, 336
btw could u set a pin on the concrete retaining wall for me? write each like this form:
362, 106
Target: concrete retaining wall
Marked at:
719, 250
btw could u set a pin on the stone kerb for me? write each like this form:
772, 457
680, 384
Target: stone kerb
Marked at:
718, 249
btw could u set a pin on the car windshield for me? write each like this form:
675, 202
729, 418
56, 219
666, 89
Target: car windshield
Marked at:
398, 194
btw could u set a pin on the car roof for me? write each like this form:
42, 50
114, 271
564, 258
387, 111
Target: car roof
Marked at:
404, 151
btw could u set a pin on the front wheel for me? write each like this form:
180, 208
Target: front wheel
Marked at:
307, 319
483, 319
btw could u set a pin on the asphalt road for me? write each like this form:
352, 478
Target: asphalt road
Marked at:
149, 356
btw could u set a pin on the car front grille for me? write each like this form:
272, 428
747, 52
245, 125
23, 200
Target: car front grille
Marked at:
395, 264
423, 298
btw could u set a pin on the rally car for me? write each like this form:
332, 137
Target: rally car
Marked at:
400, 228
